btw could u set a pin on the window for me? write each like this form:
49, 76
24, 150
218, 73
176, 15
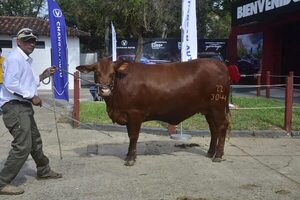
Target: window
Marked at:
40, 45
5, 43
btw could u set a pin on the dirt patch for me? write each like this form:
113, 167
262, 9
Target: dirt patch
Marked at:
282, 192
190, 198
185, 146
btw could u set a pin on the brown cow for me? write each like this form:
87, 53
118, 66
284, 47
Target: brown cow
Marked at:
170, 92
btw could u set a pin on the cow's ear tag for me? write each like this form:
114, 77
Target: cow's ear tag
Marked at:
123, 67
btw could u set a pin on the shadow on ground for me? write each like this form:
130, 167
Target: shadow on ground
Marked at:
143, 148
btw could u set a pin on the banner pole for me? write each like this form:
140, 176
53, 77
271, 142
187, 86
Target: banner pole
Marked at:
189, 46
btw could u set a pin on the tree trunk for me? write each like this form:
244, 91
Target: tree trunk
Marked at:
139, 50
164, 31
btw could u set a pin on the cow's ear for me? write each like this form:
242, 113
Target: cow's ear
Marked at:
86, 68
121, 67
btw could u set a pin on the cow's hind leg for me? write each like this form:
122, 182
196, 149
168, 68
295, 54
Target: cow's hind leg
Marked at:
219, 122
133, 129
213, 141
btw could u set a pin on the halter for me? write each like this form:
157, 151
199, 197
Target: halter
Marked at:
106, 86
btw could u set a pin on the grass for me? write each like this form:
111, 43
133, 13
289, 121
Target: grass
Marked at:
246, 117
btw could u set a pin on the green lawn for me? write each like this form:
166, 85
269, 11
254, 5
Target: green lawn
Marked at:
246, 117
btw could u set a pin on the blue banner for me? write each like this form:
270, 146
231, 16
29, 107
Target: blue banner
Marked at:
58, 50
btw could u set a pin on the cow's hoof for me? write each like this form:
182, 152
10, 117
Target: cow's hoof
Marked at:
129, 162
209, 155
218, 159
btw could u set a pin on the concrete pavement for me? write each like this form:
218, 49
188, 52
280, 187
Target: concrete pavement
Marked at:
255, 168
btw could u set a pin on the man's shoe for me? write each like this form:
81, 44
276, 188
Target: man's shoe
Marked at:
11, 190
50, 175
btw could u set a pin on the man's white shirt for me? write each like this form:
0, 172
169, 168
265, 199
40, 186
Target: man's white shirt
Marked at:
18, 77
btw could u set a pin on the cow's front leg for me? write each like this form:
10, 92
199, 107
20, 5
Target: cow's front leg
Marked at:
133, 129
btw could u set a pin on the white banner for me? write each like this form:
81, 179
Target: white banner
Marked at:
114, 43
189, 47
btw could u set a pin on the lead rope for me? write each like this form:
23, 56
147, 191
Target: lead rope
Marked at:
55, 118
48, 107
54, 111
62, 70
49, 79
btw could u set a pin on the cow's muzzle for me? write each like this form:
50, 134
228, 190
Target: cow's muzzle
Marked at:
104, 89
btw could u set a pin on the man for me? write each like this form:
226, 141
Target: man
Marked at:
1, 72
18, 94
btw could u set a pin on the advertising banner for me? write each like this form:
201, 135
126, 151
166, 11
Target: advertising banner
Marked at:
161, 50
188, 31
259, 10
58, 50
249, 47
114, 42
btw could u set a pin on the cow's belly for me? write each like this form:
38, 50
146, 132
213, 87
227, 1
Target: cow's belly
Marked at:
177, 114
172, 113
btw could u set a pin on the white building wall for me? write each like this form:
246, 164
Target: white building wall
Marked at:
42, 57
88, 58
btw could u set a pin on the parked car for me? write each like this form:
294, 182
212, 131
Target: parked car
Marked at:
131, 58
248, 64
210, 54
160, 61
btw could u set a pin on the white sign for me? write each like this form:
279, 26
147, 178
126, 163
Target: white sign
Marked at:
261, 6
158, 44
189, 47
114, 43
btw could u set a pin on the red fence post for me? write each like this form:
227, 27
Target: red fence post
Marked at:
76, 99
289, 93
268, 83
258, 76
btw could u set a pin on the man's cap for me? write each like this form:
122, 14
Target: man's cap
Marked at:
26, 34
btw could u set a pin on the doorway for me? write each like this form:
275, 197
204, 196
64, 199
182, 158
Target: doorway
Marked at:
291, 50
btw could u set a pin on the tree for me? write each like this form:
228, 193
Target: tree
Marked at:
142, 18
214, 18
92, 16
132, 18
30, 8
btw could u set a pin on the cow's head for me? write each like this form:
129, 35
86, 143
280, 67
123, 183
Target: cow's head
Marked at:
104, 71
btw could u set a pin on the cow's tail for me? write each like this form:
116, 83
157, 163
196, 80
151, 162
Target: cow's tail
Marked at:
228, 116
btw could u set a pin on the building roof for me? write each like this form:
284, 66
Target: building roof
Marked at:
10, 25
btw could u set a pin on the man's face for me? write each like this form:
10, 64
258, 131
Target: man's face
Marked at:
27, 46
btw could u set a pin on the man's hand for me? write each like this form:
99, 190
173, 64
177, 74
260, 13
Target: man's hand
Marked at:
36, 101
47, 72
